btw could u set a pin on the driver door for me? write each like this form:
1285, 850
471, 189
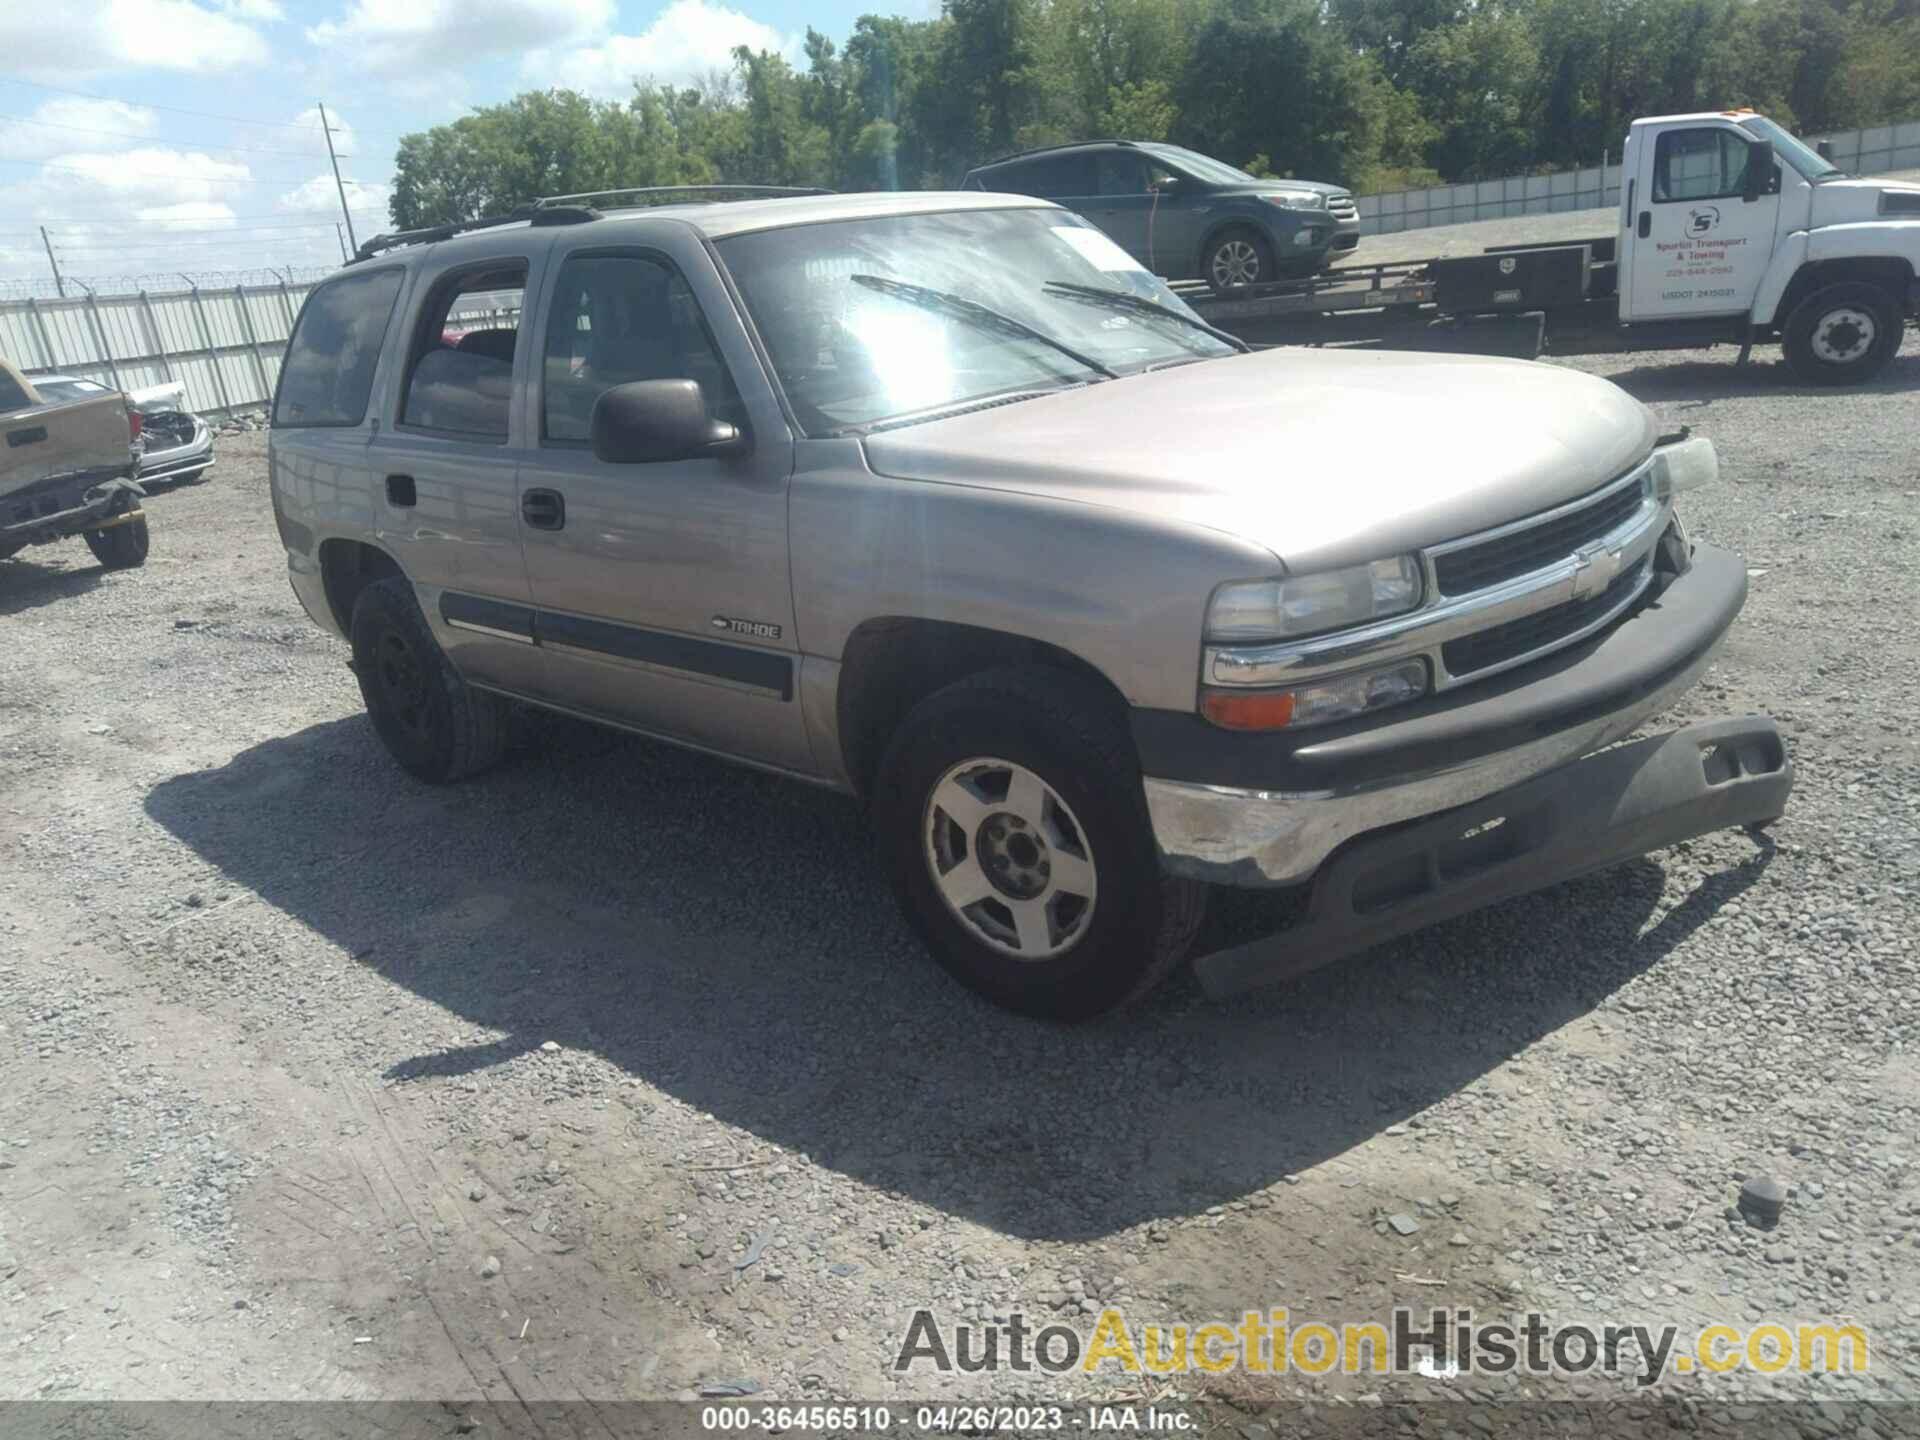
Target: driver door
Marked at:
661, 593
1694, 246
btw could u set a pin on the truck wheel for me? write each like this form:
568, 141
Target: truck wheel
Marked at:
1237, 258
1010, 809
1842, 335
120, 547
435, 724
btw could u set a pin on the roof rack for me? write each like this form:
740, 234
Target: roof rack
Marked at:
570, 210
1043, 149
656, 193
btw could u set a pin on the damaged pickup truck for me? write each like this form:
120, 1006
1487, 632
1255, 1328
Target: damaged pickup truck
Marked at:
170, 442
67, 469
943, 501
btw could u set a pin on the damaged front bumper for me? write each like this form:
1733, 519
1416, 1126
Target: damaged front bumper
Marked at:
1596, 812
175, 445
1386, 818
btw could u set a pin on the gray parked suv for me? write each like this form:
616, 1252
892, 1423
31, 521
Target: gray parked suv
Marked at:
1185, 215
939, 500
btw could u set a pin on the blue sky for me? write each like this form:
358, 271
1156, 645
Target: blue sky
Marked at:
151, 136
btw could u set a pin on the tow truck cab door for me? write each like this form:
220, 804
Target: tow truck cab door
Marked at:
1695, 237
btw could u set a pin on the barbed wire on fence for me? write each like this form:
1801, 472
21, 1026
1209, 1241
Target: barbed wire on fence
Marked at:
35, 288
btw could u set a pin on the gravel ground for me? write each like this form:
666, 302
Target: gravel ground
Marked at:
607, 1075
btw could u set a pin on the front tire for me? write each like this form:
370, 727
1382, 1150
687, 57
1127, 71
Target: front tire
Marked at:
436, 725
1842, 335
1236, 258
1010, 809
122, 546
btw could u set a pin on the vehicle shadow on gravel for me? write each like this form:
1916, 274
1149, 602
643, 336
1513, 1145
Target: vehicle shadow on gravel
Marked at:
26, 585
1706, 381
726, 937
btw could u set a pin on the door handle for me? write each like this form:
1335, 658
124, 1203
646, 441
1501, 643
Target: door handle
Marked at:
1646, 223
33, 436
400, 491
544, 509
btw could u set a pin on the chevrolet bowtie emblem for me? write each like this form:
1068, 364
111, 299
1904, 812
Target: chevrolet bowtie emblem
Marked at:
1594, 568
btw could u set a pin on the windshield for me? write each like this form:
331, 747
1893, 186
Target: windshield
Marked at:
1204, 167
1791, 148
880, 320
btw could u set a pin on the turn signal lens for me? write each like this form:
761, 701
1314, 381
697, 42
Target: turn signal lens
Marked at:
1340, 698
1686, 466
1251, 710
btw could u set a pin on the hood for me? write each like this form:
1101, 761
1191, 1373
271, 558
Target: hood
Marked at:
1276, 187
1843, 202
1325, 457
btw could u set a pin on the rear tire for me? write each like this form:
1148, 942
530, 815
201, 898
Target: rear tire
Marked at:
436, 725
120, 547
1010, 809
1236, 258
1843, 335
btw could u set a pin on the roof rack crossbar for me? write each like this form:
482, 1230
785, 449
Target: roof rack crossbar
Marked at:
428, 234
550, 209
725, 192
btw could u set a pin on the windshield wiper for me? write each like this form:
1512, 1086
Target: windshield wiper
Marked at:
1139, 304
983, 316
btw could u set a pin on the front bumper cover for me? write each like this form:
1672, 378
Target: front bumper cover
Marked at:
1597, 812
1267, 810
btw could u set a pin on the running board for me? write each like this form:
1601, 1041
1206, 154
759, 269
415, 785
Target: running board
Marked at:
1600, 811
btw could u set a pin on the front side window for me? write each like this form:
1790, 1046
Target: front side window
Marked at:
617, 319
859, 319
328, 373
1120, 172
1702, 164
461, 379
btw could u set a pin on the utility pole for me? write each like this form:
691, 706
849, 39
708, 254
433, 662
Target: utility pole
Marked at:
338, 184
343, 242
58, 283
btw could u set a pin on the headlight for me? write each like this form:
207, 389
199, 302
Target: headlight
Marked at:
1298, 200
1323, 701
1308, 604
1686, 466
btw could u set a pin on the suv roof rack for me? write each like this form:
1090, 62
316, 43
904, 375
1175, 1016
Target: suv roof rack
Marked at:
572, 210
687, 192
1043, 149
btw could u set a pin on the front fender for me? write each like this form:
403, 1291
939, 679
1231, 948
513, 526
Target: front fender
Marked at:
1897, 240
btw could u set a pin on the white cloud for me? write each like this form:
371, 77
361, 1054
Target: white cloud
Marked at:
72, 37
402, 35
170, 176
63, 123
210, 213
319, 197
687, 40
253, 9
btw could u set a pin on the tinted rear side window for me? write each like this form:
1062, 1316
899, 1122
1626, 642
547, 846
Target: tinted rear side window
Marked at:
335, 346
1045, 177
12, 396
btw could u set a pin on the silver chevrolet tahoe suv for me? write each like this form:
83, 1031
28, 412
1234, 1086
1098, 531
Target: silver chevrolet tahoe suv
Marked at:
943, 501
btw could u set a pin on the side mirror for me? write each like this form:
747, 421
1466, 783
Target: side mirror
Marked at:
1825, 151
1759, 170
650, 421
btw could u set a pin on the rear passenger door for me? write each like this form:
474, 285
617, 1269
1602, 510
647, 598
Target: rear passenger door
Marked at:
445, 469
661, 590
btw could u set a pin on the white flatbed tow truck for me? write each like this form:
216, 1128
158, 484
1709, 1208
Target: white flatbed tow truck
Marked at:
1732, 232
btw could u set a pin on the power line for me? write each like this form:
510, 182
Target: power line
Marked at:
177, 220
176, 175
154, 139
139, 227
181, 110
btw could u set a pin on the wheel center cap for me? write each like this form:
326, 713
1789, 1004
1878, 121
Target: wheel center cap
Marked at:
1013, 855
1845, 336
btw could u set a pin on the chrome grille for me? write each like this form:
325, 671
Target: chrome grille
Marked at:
1342, 208
1520, 551
1473, 653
